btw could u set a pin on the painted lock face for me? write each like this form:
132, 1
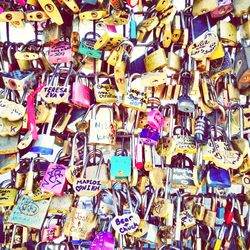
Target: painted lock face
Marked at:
155, 119
149, 136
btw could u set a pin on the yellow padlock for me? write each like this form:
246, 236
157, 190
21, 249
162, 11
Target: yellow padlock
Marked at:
228, 33
108, 41
36, 16
218, 52
51, 10
11, 16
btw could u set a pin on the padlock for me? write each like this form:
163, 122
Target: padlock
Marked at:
136, 96
70, 6
104, 89
155, 60
54, 91
149, 136
210, 215
104, 239
139, 162
36, 15
239, 217
229, 211
54, 180
52, 33
7, 193
45, 143
11, 16
199, 209
48, 231
52, 11
185, 103
60, 53
240, 239
228, 33
19, 80
145, 27
108, 41
102, 131
122, 64
81, 92
183, 167
241, 7
204, 47
228, 239
174, 60
242, 67
87, 46
117, 17
201, 7
120, 164
224, 7
244, 29
89, 187
96, 12
219, 239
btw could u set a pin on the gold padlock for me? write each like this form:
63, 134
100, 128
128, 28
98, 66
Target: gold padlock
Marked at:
176, 29
51, 10
11, 16
36, 16
108, 41
174, 60
119, 17
52, 33
155, 60
161, 5
228, 33
71, 5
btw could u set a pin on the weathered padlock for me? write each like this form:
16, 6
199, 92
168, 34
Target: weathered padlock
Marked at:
174, 60
52, 33
155, 60
201, 7
81, 92
210, 215
60, 53
87, 46
242, 67
224, 7
102, 131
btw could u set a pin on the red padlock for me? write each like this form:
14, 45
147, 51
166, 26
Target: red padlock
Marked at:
132, 3
81, 93
155, 119
229, 212
139, 156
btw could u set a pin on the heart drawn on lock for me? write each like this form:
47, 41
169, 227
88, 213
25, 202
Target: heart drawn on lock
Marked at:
126, 223
87, 187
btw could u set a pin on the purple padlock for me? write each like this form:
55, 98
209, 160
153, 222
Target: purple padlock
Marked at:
224, 7
103, 241
155, 119
149, 136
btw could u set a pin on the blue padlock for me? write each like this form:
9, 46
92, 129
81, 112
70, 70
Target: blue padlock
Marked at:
120, 164
218, 177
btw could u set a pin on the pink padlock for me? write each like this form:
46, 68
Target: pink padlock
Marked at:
81, 93
60, 53
139, 156
224, 7
21, 2
48, 233
155, 119
54, 180
103, 241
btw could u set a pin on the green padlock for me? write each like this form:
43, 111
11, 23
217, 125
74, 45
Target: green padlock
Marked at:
87, 46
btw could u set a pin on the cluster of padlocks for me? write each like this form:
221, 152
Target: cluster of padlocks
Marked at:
124, 124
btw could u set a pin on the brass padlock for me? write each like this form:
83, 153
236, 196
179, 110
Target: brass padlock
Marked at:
201, 7
51, 10
228, 33
155, 60
118, 17
52, 34
174, 60
108, 41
